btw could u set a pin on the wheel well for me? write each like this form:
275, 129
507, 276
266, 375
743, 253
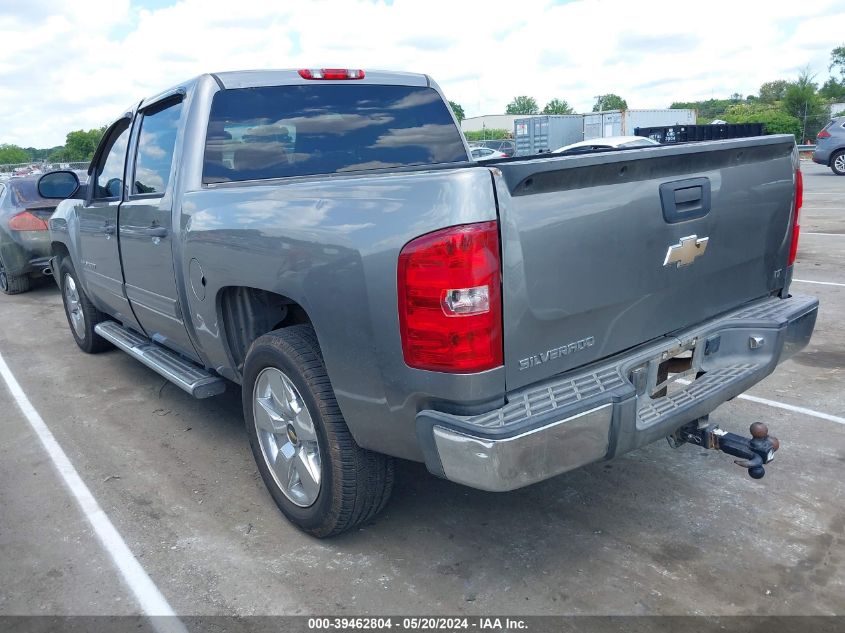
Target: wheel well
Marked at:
59, 249
248, 313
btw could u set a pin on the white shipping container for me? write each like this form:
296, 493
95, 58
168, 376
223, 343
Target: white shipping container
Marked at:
624, 122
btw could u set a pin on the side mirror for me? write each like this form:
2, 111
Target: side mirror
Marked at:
58, 184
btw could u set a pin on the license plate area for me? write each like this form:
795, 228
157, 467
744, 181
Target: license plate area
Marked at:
668, 372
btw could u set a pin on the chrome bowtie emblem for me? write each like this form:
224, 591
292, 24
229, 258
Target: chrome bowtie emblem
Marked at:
684, 252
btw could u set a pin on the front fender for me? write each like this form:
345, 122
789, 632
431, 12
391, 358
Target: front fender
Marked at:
64, 237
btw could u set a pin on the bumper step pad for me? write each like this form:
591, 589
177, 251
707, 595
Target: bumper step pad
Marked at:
654, 411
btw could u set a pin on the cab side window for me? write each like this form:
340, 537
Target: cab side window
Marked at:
109, 180
155, 148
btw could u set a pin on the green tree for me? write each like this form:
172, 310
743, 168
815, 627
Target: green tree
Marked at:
458, 110
11, 154
772, 91
708, 109
487, 134
802, 101
776, 120
57, 155
833, 90
837, 60
523, 105
80, 145
558, 106
610, 101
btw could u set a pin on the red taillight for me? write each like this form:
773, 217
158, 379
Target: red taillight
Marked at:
823, 134
331, 73
796, 212
26, 221
450, 299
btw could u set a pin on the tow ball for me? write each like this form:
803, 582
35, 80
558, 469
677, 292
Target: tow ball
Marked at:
752, 451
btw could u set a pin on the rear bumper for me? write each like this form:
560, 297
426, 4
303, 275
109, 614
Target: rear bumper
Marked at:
38, 264
822, 156
606, 410
27, 252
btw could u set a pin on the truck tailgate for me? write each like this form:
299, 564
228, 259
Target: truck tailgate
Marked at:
585, 239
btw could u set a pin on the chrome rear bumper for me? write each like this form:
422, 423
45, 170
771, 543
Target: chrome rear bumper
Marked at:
608, 409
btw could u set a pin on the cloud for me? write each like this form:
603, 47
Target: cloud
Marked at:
413, 100
330, 123
438, 138
77, 64
647, 43
430, 42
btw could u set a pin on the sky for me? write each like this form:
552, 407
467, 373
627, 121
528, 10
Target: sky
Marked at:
78, 64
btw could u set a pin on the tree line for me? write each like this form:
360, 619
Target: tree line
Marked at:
524, 104
79, 146
799, 107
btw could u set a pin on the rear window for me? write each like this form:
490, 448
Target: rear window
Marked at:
280, 131
25, 192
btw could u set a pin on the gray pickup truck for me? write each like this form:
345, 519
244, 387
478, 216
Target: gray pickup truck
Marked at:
321, 238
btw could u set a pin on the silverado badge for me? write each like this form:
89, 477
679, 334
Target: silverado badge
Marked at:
684, 252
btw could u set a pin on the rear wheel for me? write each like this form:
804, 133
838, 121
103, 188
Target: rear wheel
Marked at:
322, 481
837, 164
81, 314
12, 284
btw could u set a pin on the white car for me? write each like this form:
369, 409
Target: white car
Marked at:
608, 142
485, 153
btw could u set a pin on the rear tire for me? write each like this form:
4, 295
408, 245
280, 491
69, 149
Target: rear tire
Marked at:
837, 163
81, 314
292, 418
12, 284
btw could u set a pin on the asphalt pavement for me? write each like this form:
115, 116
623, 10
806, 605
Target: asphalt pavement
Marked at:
658, 531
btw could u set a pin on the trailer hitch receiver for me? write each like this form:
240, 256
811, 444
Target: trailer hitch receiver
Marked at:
752, 452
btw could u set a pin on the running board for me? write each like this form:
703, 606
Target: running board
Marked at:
186, 375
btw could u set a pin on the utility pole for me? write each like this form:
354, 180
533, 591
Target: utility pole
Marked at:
804, 129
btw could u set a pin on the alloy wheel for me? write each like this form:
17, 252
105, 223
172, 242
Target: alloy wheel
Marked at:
287, 436
74, 307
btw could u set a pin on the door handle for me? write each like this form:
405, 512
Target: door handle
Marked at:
109, 229
685, 199
156, 231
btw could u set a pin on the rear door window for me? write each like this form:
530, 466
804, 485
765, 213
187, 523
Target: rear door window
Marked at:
280, 131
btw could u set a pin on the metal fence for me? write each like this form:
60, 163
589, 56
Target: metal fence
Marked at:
20, 169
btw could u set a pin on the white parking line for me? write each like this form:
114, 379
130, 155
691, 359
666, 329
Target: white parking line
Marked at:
827, 234
820, 283
149, 598
783, 405
793, 408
